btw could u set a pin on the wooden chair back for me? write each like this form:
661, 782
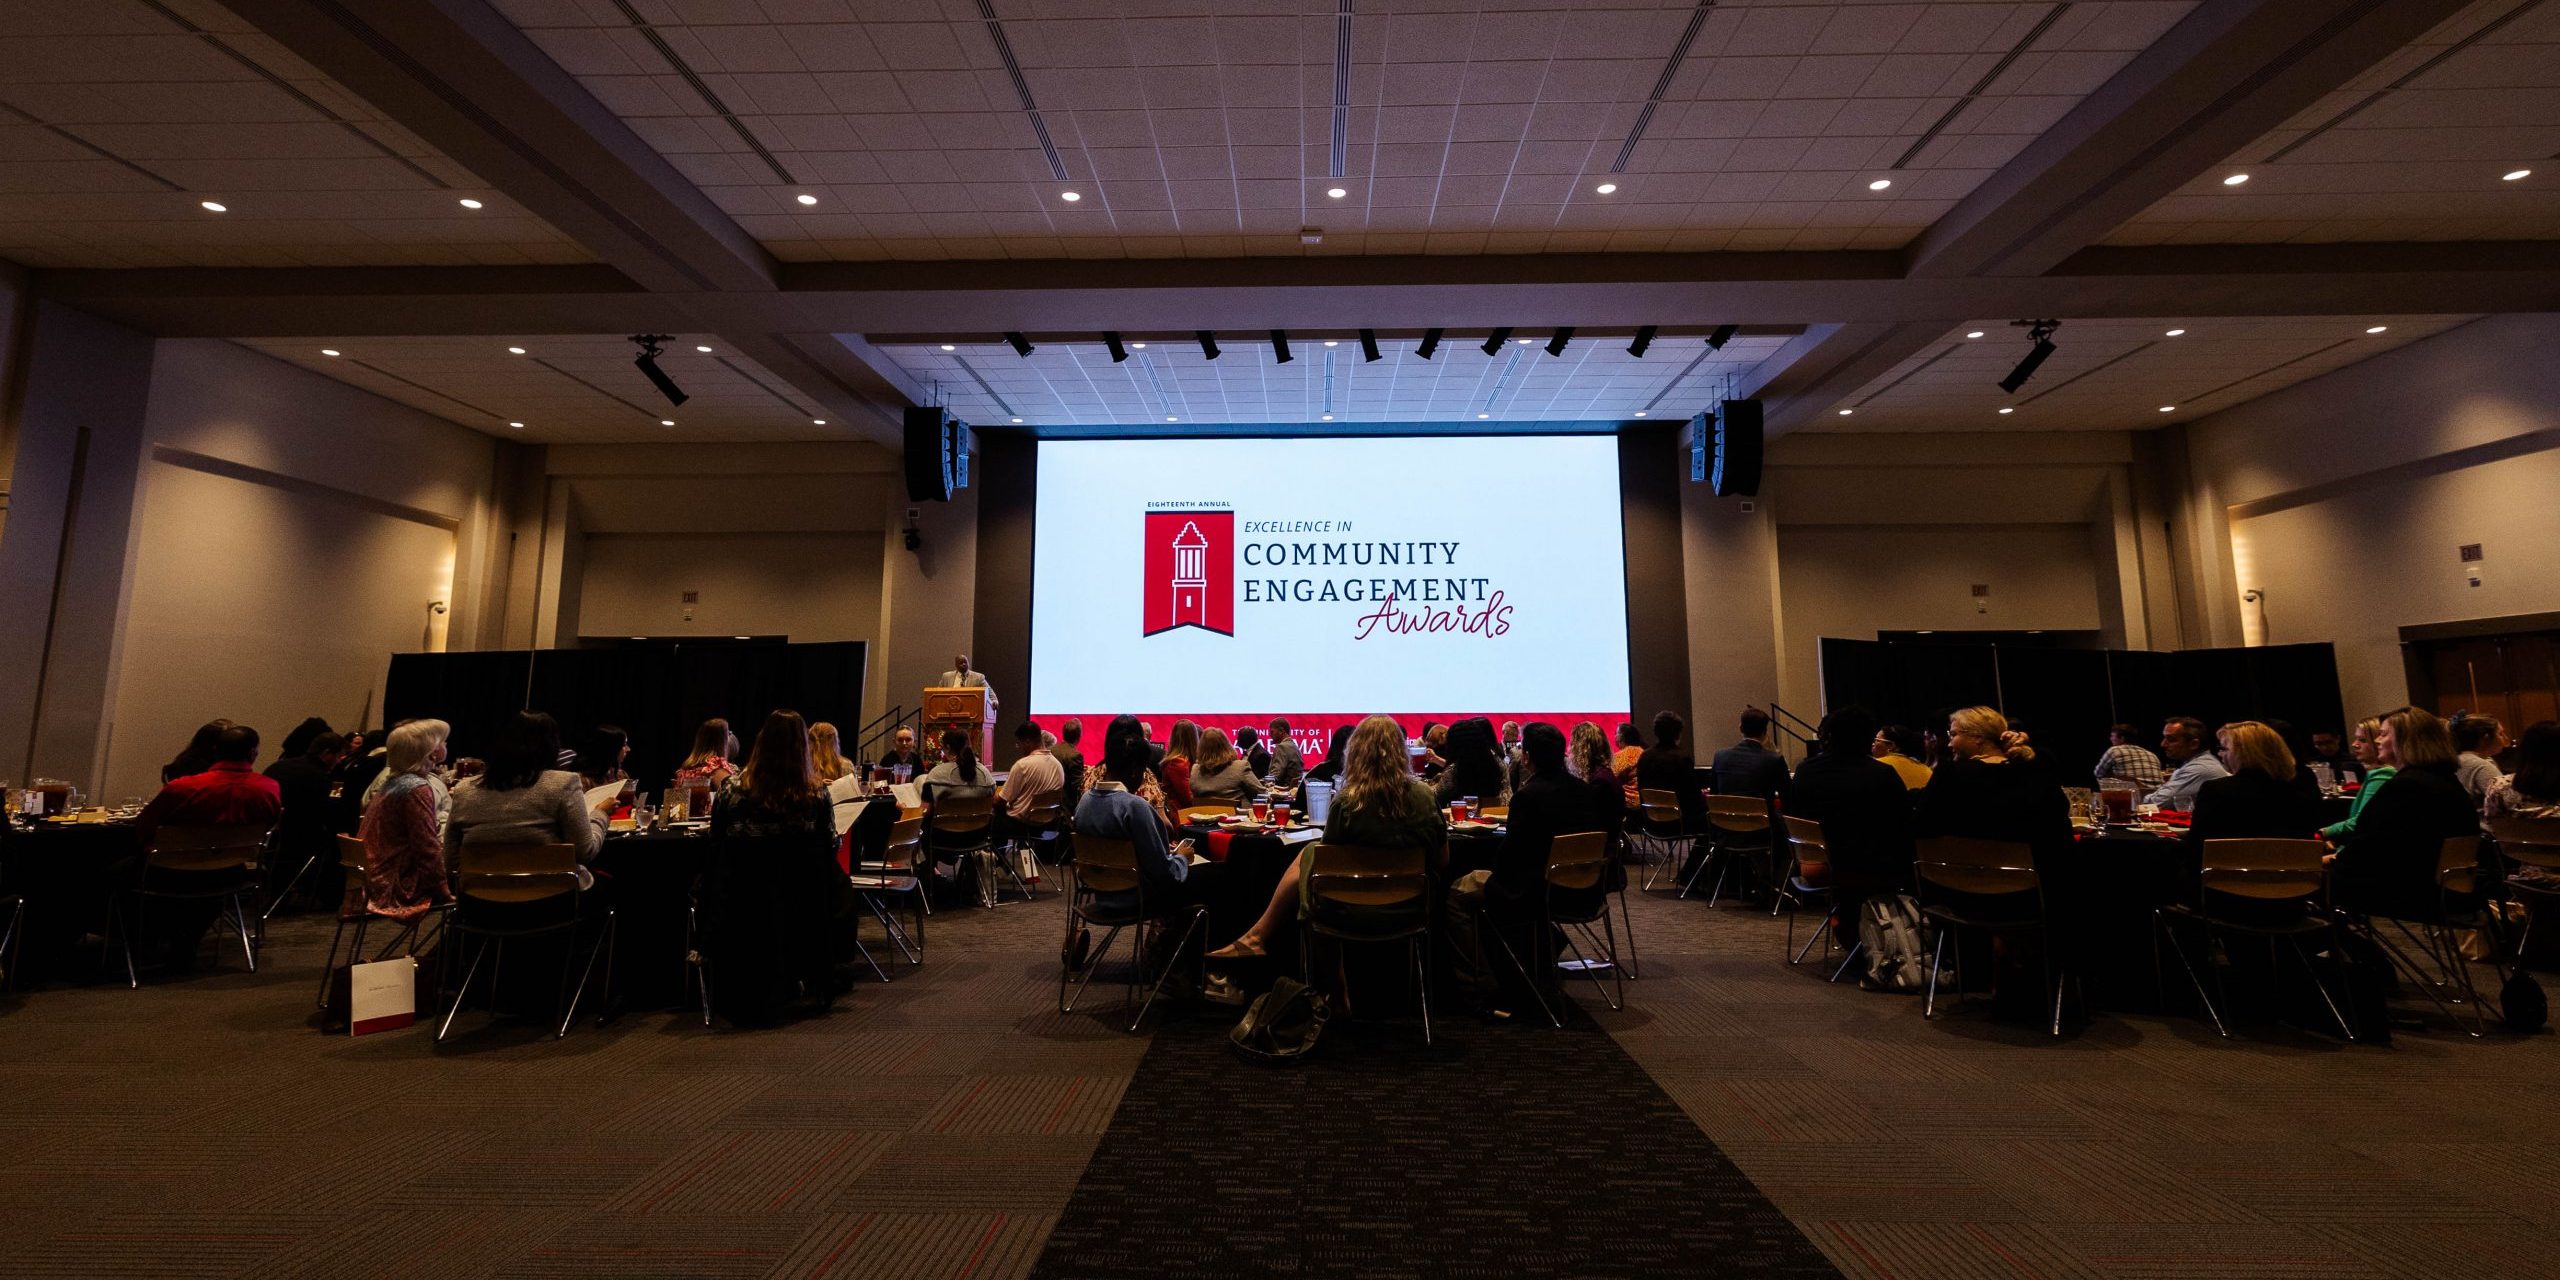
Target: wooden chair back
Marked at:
1357, 876
1812, 849
1661, 807
516, 873
1105, 864
2266, 870
2458, 864
352, 857
200, 849
1578, 862
2534, 842
1962, 864
963, 815
905, 847
1744, 814
1047, 809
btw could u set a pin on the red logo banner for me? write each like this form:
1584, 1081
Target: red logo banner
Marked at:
1191, 571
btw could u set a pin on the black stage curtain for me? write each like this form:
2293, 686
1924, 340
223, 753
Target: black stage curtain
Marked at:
657, 692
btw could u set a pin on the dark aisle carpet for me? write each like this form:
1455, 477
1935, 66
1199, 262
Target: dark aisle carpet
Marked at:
1505, 1151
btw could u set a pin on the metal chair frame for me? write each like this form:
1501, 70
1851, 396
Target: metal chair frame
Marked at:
1370, 879
1103, 865
1047, 817
961, 826
1961, 864
518, 875
1577, 863
1663, 830
1804, 833
9, 942
235, 849
897, 872
2451, 983
1736, 825
2273, 872
2535, 843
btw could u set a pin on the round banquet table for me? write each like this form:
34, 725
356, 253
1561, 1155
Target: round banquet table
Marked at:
67, 872
651, 876
2099, 904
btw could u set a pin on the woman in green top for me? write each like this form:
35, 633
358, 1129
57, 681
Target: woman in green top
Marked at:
1377, 804
2368, 752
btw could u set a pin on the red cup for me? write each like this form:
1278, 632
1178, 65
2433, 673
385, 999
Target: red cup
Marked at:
1457, 811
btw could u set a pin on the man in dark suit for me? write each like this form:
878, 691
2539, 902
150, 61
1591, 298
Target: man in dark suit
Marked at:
1865, 812
1549, 803
1750, 767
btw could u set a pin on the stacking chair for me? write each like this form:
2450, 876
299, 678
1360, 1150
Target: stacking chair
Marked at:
1362, 895
1662, 831
2445, 977
1573, 898
959, 826
2271, 889
1989, 886
1046, 819
1737, 826
9, 944
355, 863
195, 864
1806, 844
899, 871
1200, 813
1108, 891
2533, 843
507, 892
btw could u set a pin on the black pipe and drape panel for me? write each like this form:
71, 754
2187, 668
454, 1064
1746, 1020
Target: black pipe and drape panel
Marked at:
2069, 697
658, 694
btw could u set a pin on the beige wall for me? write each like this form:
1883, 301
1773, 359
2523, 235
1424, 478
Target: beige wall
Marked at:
1851, 581
810, 587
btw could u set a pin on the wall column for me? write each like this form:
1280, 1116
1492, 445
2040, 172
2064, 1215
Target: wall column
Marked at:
77, 426
928, 608
1735, 658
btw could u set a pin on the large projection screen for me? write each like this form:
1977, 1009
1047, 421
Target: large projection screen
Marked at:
1321, 579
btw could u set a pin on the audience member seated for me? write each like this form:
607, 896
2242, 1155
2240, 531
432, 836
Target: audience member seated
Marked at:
1513, 769
1587, 755
298, 742
1219, 776
2329, 748
2182, 745
1750, 767
602, 754
1181, 747
713, 749
1667, 766
1288, 766
1069, 753
1114, 809
1251, 749
1865, 811
200, 753
1035, 779
1550, 803
1983, 792
1622, 762
405, 874
2259, 798
902, 751
2365, 743
308, 828
522, 799
2479, 740
1377, 804
227, 792
1475, 765
2387, 865
960, 776
826, 754
1435, 736
2127, 763
2533, 791
1898, 747
775, 903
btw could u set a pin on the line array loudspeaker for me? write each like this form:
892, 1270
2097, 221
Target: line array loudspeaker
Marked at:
1737, 461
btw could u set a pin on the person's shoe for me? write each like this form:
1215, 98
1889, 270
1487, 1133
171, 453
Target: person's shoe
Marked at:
1243, 948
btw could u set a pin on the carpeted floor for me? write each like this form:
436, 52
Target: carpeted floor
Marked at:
947, 1125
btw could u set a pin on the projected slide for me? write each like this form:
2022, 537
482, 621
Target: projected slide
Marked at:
1321, 579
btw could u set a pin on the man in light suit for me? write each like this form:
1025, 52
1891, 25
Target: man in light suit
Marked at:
961, 677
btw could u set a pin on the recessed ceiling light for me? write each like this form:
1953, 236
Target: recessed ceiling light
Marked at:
1336, 192
948, 347
805, 198
517, 425
2235, 179
2378, 328
1170, 418
1137, 346
2513, 175
1975, 334
1846, 412
2168, 408
1879, 184
704, 350
215, 207
1017, 419
1484, 415
1640, 413
1332, 342
515, 351
666, 422
469, 203
1606, 188
2173, 333
1328, 417
1069, 196
328, 351
1526, 342
817, 422
2007, 409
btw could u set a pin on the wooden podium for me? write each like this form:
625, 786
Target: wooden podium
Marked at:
964, 709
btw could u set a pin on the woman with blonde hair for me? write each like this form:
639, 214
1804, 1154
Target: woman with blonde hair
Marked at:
2387, 865
2259, 799
1220, 776
1377, 804
826, 757
403, 838
1986, 791
714, 750
2364, 743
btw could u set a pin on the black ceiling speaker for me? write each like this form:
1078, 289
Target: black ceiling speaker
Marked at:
1737, 461
933, 438
647, 362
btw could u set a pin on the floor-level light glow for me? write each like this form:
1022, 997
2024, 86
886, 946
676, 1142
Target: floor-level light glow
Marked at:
2235, 179
1606, 188
1069, 196
212, 207
470, 204
1336, 192
805, 198
1879, 184
2378, 328
328, 351
2513, 175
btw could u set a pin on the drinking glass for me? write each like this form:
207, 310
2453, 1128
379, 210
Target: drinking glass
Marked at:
1280, 813
1261, 809
1468, 808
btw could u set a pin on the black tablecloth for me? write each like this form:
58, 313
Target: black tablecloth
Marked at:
651, 877
2099, 903
67, 872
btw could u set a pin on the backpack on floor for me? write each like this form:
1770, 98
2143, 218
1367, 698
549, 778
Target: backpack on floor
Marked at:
1281, 1025
1897, 955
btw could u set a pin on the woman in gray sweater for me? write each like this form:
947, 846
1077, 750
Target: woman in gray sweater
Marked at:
522, 799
